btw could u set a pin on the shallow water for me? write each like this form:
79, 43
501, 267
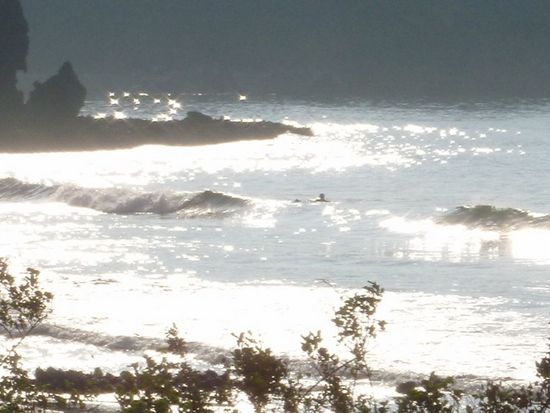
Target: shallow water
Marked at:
459, 299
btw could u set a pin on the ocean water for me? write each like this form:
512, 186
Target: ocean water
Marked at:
212, 238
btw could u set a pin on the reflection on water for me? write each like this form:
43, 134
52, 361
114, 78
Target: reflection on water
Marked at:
336, 147
468, 299
531, 245
432, 241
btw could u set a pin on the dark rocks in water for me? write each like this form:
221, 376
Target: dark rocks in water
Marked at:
203, 129
14, 45
196, 117
86, 134
59, 98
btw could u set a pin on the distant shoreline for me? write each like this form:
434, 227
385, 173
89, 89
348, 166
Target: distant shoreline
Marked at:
89, 134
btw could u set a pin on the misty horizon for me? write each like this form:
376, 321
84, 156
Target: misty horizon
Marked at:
423, 49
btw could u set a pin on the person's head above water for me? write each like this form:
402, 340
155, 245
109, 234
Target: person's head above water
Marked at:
321, 198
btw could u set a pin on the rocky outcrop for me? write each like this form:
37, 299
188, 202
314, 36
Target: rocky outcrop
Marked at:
87, 134
14, 45
59, 98
50, 121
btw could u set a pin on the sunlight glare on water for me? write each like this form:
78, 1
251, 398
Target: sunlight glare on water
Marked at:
531, 245
256, 253
336, 147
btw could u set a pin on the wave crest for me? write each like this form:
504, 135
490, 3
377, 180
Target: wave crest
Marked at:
211, 204
125, 201
118, 201
12, 189
491, 217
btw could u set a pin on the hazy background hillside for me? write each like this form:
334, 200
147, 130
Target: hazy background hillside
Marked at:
380, 49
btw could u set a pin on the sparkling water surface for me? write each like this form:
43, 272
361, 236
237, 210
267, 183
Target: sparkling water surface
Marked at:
459, 300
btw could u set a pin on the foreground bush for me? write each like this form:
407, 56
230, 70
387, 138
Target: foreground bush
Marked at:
268, 382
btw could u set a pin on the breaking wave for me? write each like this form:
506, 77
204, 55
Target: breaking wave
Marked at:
491, 217
13, 190
125, 201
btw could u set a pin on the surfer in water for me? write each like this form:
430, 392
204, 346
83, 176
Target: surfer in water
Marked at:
320, 198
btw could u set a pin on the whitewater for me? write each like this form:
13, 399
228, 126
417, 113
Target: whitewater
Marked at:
445, 206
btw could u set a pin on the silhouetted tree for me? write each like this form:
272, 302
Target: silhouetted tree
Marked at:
14, 45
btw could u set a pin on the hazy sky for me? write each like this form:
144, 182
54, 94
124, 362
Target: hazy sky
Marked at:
327, 47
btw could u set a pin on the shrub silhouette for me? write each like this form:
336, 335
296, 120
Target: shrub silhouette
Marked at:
327, 383
22, 308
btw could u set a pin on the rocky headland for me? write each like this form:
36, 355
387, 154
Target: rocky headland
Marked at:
88, 134
49, 119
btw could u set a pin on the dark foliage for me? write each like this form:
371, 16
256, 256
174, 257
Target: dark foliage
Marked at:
14, 44
24, 306
433, 395
258, 373
158, 385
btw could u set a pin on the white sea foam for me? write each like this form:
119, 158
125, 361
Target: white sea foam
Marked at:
125, 201
479, 231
